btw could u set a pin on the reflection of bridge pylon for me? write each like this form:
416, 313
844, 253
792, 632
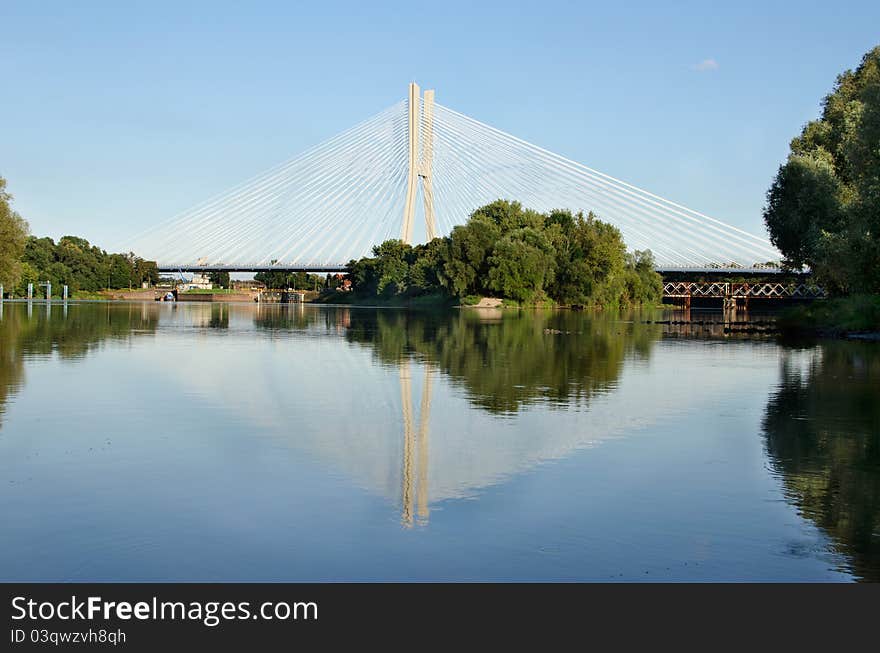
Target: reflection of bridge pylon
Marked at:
415, 449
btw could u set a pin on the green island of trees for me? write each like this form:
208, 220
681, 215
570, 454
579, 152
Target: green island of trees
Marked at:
513, 253
72, 261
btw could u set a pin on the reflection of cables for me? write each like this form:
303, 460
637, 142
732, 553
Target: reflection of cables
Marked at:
423, 443
408, 444
337, 200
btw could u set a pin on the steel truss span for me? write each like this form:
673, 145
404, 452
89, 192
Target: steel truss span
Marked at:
337, 200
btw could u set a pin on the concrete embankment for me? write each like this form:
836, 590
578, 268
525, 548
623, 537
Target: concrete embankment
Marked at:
216, 297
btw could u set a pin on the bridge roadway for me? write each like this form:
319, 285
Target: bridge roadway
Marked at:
204, 269
318, 267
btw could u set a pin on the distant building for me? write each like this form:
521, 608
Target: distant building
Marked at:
198, 282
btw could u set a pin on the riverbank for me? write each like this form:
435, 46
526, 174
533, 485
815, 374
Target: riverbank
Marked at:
151, 294
396, 301
856, 317
440, 300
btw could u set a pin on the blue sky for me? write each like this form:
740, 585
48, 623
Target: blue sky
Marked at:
114, 115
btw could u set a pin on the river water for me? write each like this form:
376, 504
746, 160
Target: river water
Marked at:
295, 442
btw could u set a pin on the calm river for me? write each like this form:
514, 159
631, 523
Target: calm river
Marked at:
289, 442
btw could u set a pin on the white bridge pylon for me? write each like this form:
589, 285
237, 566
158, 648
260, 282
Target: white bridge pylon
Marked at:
335, 201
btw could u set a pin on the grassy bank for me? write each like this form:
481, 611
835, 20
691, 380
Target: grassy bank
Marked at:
837, 317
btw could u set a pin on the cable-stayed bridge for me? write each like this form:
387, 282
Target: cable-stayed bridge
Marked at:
414, 171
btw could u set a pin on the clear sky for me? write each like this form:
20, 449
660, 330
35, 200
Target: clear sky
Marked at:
114, 115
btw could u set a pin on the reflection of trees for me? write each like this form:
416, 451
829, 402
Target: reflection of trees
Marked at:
509, 359
823, 435
11, 358
71, 332
219, 316
283, 317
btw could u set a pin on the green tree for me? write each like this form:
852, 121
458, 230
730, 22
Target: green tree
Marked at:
466, 268
426, 269
510, 215
120, 271
592, 261
643, 284
363, 276
13, 236
272, 278
146, 271
522, 263
823, 208
219, 279
392, 266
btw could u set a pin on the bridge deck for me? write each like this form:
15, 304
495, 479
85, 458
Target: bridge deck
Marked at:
339, 267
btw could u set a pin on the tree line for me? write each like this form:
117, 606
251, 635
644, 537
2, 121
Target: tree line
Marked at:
296, 280
511, 252
72, 261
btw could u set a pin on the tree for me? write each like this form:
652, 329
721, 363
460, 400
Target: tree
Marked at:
522, 264
803, 203
823, 208
272, 279
146, 271
643, 284
220, 279
466, 268
591, 260
120, 271
426, 269
510, 215
13, 236
392, 266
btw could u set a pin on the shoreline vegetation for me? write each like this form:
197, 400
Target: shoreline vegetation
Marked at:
853, 317
823, 208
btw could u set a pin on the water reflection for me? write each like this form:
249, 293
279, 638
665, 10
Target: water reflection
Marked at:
425, 411
822, 428
502, 361
41, 329
509, 359
415, 448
